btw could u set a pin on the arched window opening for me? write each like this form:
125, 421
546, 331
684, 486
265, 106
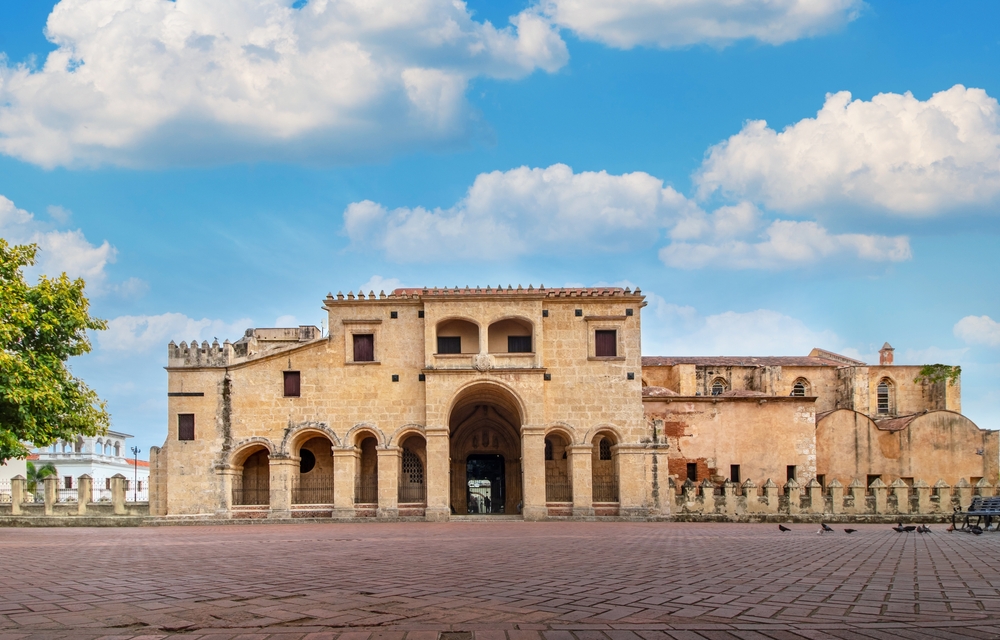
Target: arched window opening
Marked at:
412, 487
604, 468
314, 482
884, 396
718, 387
366, 480
118, 448
800, 388
253, 485
457, 336
79, 445
510, 336
558, 485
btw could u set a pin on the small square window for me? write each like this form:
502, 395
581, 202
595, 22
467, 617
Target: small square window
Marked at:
420, 314
421, 377
185, 426
449, 344
364, 347
631, 375
790, 472
578, 312
628, 312
545, 313
547, 377
395, 377
606, 343
393, 314
292, 384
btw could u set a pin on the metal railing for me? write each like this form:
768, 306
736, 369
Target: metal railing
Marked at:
558, 492
366, 490
605, 490
5, 491
251, 493
313, 489
410, 492
100, 490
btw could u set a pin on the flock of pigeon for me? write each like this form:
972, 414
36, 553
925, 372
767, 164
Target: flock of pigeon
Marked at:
899, 528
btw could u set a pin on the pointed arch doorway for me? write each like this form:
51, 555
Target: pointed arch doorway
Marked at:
485, 442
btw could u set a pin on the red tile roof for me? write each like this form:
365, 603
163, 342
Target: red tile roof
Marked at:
740, 361
142, 463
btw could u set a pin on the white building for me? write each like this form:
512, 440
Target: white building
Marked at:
100, 457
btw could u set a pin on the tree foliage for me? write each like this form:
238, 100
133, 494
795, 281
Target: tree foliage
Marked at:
41, 327
938, 373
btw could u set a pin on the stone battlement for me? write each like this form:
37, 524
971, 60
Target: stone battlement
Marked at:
255, 342
418, 293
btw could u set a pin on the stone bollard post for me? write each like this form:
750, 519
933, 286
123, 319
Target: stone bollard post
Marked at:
84, 493
707, 496
902, 494
118, 494
729, 493
817, 504
690, 496
51, 484
879, 489
751, 496
964, 491
18, 486
857, 489
836, 496
794, 496
923, 496
943, 492
771, 494
984, 488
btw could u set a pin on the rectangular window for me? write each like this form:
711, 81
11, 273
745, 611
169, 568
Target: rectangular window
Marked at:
68, 482
449, 344
692, 469
790, 472
873, 478
364, 347
734, 473
185, 426
292, 384
107, 484
606, 343
518, 344
821, 479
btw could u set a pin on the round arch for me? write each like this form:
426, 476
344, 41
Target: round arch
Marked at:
609, 429
489, 392
298, 434
353, 437
246, 448
567, 432
401, 433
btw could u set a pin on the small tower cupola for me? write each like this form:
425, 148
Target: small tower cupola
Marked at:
885, 354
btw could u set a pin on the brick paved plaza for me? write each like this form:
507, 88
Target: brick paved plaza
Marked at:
497, 580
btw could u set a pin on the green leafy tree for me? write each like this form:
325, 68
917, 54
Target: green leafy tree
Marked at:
37, 475
934, 373
41, 327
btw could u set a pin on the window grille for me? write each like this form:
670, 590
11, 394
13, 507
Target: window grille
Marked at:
185, 426
411, 481
606, 343
799, 389
413, 468
718, 387
604, 449
882, 392
449, 344
293, 384
519, 344
364, 347
605, 489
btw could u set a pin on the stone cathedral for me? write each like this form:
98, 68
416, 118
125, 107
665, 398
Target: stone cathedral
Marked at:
531, 403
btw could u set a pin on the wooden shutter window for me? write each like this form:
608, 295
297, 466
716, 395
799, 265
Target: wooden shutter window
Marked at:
185, 426
364, 347
518, 344
292, 384
606, 343
449, 344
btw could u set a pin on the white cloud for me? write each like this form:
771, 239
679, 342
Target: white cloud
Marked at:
59, 213
379, 284
978, 330
675, 23
893, 152
150, 82
138, 335
524, 210
286, 321
59, 251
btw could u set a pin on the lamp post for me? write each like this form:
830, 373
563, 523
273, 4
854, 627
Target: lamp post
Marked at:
135, 473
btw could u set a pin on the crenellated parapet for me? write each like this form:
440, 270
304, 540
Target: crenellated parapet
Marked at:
459, 293
254, 343
199, 355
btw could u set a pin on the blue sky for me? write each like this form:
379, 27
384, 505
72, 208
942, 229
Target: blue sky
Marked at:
214, 165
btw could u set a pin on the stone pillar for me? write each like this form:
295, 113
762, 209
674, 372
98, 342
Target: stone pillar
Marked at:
583, 479
345, 460
879, 489
389, 460
533, 472
750, 495
943, 492
794, 494
836, 496
226, 474
439, 474
771, 495
282, 470
729, 495
964, 491
984, 488
858, 494
118, 494
84, 493
707, 496
923, 496
902, 493
18, 487
51, 484
632, 479
817, 504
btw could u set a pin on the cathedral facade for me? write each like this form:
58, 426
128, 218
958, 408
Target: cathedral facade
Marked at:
527, 402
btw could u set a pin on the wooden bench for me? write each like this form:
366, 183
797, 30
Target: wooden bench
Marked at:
986, 511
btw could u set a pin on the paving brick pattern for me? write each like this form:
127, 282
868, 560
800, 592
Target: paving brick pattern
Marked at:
497, 581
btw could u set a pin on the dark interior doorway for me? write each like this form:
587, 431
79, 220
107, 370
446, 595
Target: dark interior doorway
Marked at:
486, 490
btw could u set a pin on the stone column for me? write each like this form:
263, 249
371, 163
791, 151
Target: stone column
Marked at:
282, 470
943, 492
51, 484
583, 479
729, 495
858, 494
18, 487
836, 496
438, 474
902, 493
84, 493
750, 495
388, 482
533, 472
794, 496
817, 504
118, 494
225, 482
879, 489
771, 495
632, 479
344, 462
964, 491
923, 496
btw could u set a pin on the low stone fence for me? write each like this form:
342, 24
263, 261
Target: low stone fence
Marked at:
833, 501
22, 503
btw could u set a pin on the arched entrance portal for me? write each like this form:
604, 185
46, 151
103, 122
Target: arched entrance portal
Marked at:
485, 442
